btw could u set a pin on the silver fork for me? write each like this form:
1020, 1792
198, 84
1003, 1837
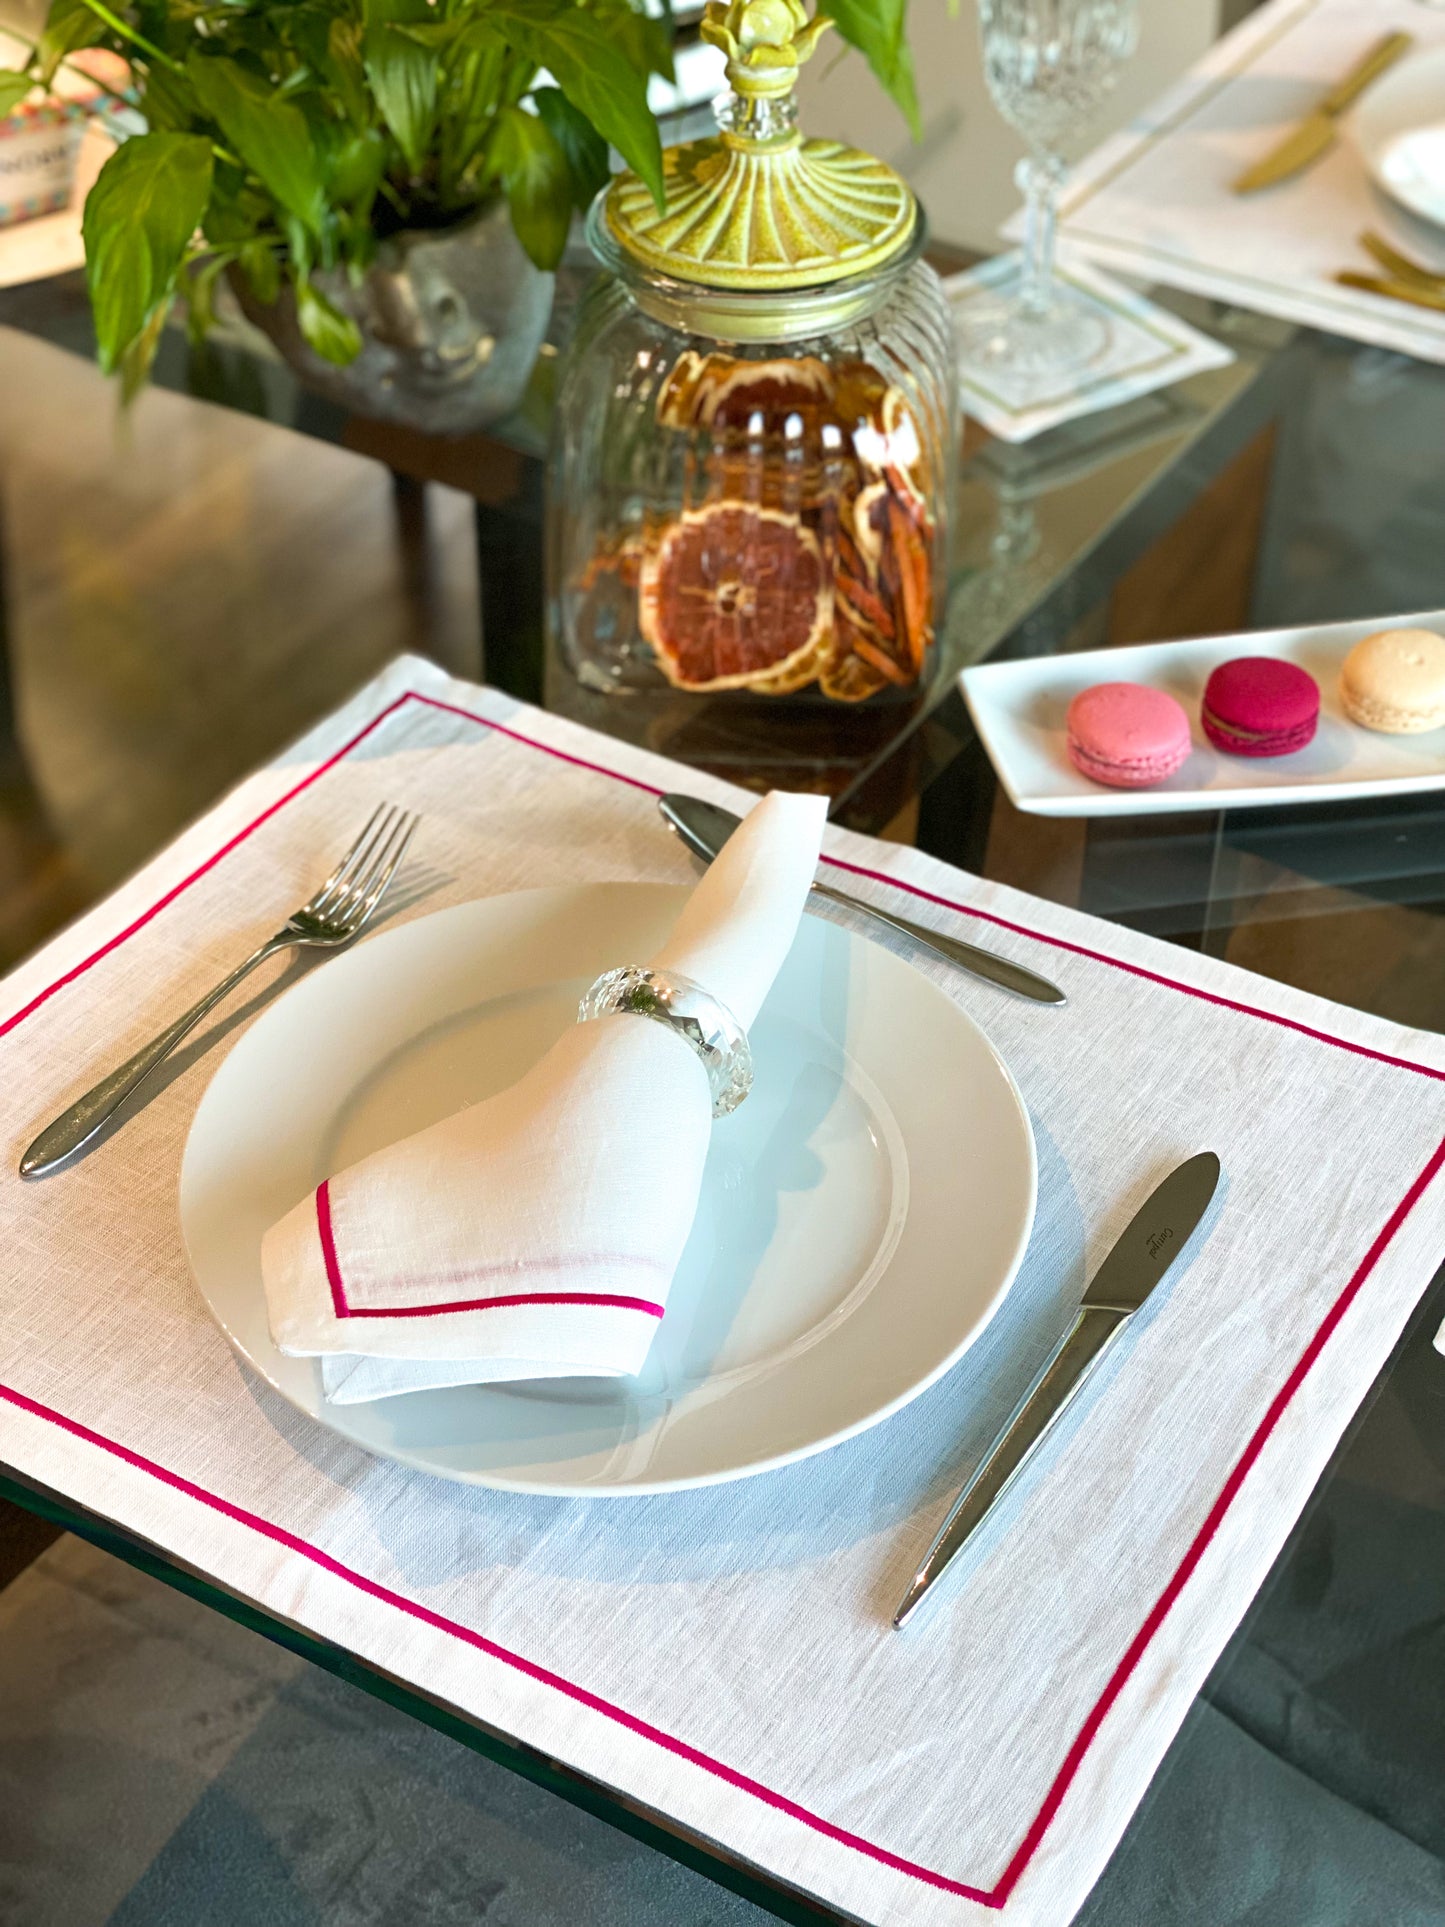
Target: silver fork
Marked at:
338, 912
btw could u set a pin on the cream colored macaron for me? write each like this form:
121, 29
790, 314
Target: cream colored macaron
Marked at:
1394, 681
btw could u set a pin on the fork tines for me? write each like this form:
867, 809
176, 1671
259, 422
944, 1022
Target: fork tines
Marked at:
354, 888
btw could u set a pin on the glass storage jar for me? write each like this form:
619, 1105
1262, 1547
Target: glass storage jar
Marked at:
757, 423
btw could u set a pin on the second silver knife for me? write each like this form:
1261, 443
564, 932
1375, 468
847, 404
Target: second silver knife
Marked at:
705, 827
1141, 1255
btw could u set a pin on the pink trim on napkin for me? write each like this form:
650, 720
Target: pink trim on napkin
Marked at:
345, 1309
995, 1897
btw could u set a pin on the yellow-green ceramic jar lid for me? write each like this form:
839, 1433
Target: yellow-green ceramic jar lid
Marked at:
753, 314
756, 207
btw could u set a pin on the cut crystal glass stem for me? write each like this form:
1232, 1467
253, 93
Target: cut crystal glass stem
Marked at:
1039, 177
1048, 64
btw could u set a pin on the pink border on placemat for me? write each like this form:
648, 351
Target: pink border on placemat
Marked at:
343, 1308
996, 1896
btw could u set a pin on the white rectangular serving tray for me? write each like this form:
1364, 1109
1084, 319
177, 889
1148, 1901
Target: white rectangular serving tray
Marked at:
1020, 707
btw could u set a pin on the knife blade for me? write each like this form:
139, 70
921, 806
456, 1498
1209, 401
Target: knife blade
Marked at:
1315, 134
705, 827
1142, 1255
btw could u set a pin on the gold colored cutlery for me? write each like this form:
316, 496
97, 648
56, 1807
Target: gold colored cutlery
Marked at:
1402, 279
1393, 289
1400, 265
1313, 136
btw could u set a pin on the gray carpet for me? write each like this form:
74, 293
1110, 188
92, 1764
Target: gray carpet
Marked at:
161, 1767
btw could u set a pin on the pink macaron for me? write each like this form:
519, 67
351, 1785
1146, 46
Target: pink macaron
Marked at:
1260, 706
1125, 735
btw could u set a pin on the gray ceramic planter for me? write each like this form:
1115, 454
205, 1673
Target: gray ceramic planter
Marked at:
451, 321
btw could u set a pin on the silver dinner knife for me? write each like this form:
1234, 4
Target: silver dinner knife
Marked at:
705, 827
1152, 1240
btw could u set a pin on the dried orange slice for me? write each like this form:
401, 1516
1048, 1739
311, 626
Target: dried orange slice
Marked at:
733, 596
794, 675
725, 393
845, 676
885, 434
764, 432
870, 523
679, 398
762, 397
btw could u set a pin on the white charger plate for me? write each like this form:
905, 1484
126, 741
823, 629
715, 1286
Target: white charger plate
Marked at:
1399, 129
862, 1214
1020, 710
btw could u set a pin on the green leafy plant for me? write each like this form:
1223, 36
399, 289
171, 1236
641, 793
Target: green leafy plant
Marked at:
879, 30
287, 137
284, 137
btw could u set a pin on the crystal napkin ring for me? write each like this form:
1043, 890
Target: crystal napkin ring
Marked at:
703, 1021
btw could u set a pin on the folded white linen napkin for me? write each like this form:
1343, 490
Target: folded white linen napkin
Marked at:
536, 1235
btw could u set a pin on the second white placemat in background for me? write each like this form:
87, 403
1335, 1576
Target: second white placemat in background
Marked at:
1155, 202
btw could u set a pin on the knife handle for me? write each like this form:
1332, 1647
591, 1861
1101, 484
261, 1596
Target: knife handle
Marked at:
1394, 288
1043, 1402
987, 964
1385, 52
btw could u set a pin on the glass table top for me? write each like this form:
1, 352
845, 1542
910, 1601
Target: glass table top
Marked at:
179, 599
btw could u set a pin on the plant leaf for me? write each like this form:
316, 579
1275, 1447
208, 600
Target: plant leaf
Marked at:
878, 29
647, 41
538, 180
344, 69
594, 73
403, 78
69, 25
436, 34
169, 102
580, 142
479, 74
199, 289
354, 169
378, 13
135, 362
270, 135
257, 261
13, 89
334, 335
236, 210
139, 217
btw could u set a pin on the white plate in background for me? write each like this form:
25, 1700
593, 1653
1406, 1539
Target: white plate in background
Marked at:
1399, 128
862, 1214
1020, 709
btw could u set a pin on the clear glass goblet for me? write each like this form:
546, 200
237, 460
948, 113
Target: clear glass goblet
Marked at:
1049, 65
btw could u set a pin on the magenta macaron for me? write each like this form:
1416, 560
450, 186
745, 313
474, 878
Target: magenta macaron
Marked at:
1126, 735
1260, 706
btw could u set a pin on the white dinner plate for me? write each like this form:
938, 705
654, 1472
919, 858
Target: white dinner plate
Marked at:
1020, 710
1399, 128
862, 1214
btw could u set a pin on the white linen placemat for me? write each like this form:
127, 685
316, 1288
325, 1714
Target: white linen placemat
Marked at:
1149, 348
1154, 201
724, 1656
